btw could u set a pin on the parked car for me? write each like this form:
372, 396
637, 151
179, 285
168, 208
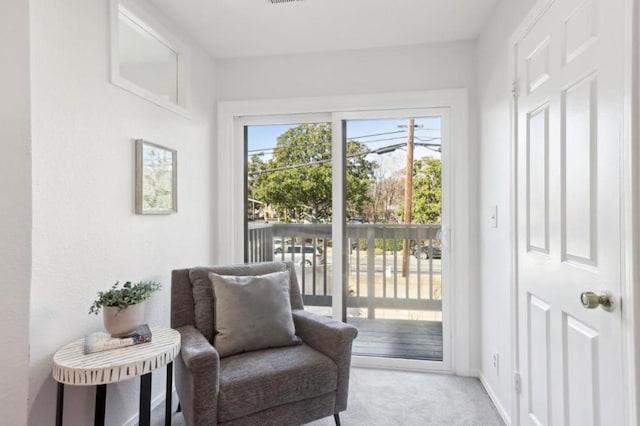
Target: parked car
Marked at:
295, 254
277, 245
428, 252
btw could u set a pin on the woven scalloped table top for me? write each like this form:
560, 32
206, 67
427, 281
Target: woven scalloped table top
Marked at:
72, 367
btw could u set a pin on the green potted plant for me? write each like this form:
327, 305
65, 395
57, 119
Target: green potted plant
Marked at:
123, 307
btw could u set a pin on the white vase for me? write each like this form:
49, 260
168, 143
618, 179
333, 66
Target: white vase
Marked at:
121, 323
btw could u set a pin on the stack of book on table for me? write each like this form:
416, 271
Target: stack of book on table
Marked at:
101, 341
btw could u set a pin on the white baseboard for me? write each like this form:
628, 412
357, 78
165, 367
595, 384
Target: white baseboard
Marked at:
155, 402
474, 373
494, 398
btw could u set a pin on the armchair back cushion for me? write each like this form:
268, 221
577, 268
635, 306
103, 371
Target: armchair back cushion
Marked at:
252, 312
203, 297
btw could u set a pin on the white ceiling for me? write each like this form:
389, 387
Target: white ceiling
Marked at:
236, 28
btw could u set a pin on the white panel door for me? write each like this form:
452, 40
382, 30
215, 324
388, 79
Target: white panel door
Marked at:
569, 119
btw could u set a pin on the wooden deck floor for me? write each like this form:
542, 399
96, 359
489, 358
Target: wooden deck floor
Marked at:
398, 338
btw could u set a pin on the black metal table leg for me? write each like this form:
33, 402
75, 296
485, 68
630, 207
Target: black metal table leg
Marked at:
168, 392
101, 401
145, 400
59, 404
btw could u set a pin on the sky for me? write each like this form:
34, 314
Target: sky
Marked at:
375, 134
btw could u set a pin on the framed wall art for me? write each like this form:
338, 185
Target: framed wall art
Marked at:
156, 178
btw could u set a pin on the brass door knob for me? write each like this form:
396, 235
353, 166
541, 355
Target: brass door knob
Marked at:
591, 300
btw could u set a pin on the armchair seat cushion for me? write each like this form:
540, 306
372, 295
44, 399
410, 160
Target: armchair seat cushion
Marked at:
254, 381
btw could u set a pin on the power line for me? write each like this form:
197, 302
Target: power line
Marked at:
378, 134
348, 138
329, 143
384, 139
312, 163
423, 139
381, 150
358, 137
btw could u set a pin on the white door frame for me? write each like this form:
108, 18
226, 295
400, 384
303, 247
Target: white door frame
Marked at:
229, 216
630, 210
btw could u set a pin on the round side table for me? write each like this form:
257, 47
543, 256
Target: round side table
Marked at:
72, 367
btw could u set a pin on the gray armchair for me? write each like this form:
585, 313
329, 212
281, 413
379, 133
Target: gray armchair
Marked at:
289, 385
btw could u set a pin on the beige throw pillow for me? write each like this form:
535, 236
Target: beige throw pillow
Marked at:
252, 312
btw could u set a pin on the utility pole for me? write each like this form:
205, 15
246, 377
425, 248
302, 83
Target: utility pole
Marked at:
408, 194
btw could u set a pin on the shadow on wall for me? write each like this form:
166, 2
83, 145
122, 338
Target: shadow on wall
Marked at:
42, 408
79, 401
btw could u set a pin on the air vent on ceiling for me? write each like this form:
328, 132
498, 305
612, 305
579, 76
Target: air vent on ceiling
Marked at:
283, 1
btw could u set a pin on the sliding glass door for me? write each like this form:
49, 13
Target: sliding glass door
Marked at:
393, 210
358, 202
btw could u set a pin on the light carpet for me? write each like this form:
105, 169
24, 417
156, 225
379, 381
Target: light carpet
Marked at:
400, 398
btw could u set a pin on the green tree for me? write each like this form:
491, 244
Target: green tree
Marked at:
254, 165
296, 181
427, 190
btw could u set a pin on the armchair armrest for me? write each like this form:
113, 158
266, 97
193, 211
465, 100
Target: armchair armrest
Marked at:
198, 382
332, 338
196, 351
324, 334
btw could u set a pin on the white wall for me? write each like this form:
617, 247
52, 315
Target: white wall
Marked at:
420, 67
495, 150
85, 233
15, 211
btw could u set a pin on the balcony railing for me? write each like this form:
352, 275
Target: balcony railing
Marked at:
377, 279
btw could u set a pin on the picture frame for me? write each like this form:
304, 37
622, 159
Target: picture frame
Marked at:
156, 189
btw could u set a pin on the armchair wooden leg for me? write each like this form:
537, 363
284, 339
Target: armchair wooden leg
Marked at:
336, 417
